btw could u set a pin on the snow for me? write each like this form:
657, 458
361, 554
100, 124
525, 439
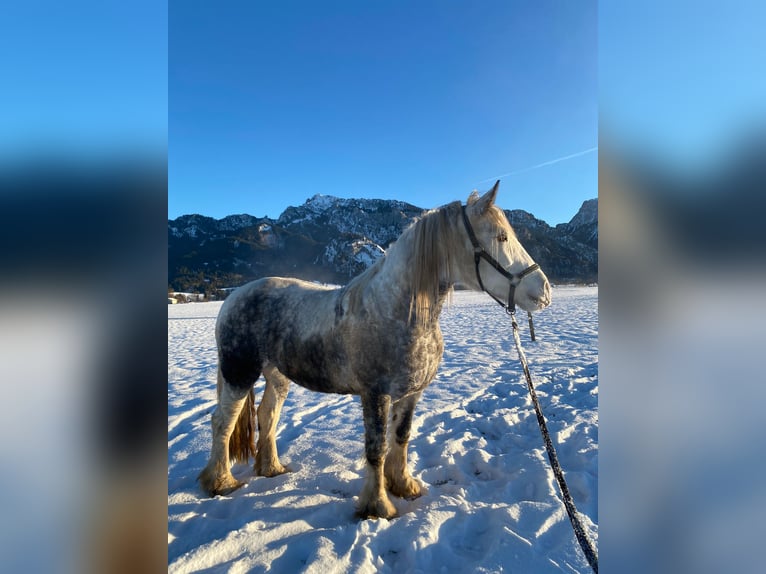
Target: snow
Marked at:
367, 252
320, 202
234, 222
491, 503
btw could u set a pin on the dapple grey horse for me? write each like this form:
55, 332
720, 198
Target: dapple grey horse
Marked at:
378, 337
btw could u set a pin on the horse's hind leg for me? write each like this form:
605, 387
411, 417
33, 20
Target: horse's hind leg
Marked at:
216, 477
398, 478
266, 458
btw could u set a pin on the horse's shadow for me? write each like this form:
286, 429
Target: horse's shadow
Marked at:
246, 510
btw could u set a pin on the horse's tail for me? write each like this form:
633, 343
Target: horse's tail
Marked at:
242, 441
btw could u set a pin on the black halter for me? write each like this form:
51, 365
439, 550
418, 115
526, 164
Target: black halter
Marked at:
479, 254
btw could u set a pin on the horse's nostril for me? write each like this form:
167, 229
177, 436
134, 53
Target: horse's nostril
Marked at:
541, 300
545, 298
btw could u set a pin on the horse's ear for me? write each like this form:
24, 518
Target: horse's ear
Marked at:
473, 198
488, 199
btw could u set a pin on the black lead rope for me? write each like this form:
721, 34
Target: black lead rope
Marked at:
510, 307
531, 327
585, 542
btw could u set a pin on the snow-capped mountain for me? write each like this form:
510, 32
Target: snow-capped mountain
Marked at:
351, 256
332, 239
584, 225
325, 217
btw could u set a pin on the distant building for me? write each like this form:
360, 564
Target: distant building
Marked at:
181, 297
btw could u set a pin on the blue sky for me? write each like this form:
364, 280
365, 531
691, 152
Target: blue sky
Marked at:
681, 83
271, 103
83, 76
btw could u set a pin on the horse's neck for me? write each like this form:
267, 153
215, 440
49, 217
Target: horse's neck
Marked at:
393, 285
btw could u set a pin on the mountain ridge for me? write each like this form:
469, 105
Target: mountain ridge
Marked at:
331, 239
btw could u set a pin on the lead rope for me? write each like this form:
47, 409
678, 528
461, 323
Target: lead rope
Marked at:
585, 542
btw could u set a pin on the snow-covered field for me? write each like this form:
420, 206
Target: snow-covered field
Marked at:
492, 503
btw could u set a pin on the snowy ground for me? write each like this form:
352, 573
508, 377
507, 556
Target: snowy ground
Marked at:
492, 503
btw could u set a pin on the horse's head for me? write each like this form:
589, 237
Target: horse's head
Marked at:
499, 264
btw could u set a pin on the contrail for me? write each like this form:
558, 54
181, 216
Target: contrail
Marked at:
544, 164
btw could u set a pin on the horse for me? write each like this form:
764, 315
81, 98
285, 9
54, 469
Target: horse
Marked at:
377, 337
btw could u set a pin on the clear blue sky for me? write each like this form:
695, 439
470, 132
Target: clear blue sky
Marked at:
681, 83
271, 103
83, 77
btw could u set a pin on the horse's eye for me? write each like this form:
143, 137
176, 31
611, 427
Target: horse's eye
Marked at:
502, 237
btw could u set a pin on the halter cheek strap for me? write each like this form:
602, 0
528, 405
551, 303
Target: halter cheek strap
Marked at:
479, 253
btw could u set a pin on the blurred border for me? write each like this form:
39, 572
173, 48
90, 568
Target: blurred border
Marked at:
682, 171
83, 338
83, 228
83, 282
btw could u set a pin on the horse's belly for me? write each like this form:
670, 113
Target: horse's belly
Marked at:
317, 364
318, 383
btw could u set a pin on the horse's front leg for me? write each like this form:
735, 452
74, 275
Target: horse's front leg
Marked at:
398, 478
374, 501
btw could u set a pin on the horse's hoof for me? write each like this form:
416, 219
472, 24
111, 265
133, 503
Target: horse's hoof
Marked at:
272, 471
377, 509
222, 487
218, 484
408, 488
228, 489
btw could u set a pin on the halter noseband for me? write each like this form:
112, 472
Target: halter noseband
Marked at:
479, 253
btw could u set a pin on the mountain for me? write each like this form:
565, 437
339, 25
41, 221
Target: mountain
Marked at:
330, 239
325, 217
568, 253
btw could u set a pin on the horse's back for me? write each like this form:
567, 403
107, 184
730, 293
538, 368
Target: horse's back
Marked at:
270, 304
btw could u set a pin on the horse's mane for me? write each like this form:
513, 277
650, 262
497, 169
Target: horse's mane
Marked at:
430, 251
432, 260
